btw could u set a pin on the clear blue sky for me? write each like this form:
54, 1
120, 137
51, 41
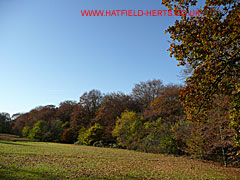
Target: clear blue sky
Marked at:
50, 53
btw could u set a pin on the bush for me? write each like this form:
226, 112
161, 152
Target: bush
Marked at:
129, 129
160, 138
26, 130
91, 135
98, 144
81, 135
37, 132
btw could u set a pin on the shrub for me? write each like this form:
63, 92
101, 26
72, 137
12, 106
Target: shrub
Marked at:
37, 132
128, 129
91, 135
160, 138
98, 144
26, 130
81, 135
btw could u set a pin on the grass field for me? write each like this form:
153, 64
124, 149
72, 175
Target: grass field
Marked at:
34, 160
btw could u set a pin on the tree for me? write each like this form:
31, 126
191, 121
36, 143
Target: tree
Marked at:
4, 123
163, 114
167, 106
159, 137
112, 106
212, 139
37, 132
65, 110
53, 131
81, 135
91, 101
129, 129
210, 45
20, 123
146, 92
80, 118
26, 130
85, 111
69, 136
91, 135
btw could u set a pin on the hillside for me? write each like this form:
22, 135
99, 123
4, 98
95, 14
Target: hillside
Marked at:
35, 160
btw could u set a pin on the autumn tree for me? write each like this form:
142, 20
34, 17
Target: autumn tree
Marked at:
69, 136
65, 110
86, 109
167, 106
146, 92
80, 118
213, 138
46, 113
91, 101
209, 43
20, 121
112, 106
163, 114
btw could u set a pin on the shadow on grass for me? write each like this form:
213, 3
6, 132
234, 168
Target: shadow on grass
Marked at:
13, 143
14, 173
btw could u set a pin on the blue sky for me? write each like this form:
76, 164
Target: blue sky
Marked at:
50, 53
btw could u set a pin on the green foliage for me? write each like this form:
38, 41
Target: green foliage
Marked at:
26, 130
160, 137
127, 129
43, 131
81, 136
91, 135
37, 132
53, 132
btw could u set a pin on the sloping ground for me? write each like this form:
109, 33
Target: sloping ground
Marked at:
32, 160
11, 137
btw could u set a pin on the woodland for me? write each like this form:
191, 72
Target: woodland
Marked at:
200, 118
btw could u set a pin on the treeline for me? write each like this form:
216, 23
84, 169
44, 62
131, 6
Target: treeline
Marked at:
150, 119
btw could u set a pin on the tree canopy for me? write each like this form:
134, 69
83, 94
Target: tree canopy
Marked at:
209, 43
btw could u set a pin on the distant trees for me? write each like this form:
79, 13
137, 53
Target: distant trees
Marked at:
167, 105
112, 106
65, 111
153, 130
20, 122
80, 117
146, 92
127, 129
86, 109
91, 101
150, 119
4, 123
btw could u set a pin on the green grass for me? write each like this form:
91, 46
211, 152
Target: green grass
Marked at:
35, 160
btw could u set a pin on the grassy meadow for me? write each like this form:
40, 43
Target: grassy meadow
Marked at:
37, 160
